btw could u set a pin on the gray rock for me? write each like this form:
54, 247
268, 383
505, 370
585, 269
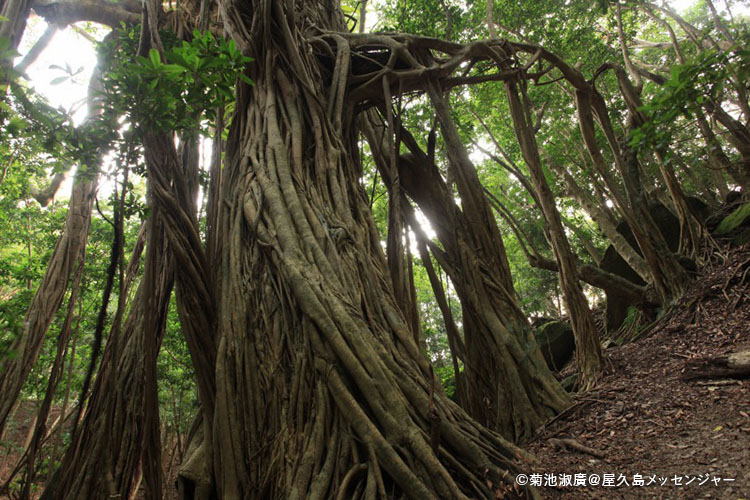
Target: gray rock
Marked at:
557, 343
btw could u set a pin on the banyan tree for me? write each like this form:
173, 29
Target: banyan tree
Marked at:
303, 331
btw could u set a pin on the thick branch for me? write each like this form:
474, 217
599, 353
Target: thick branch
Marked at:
37, 49
71, 11
599, 278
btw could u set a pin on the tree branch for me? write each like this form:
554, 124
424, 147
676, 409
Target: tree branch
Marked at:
70, 11
37, 49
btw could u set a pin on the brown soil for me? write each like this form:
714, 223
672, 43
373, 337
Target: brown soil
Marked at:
643, 418
17, 432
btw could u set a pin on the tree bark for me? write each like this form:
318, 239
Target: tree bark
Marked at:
733, 365
104, 459
588, 348
66, 256
321, 391
502, 364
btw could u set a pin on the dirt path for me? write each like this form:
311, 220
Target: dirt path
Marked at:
685, 439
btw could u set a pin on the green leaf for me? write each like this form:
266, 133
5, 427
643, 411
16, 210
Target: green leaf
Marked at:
174, 68
154, 56
176, 57
58, 80
16, 124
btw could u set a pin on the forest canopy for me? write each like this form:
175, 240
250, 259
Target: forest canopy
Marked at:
323, 249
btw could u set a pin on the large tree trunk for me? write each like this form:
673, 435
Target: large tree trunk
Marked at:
321, 390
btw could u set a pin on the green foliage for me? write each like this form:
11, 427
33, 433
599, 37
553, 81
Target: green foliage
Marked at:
177, 392
447, 379
437, 18
735, 219
703, 80
69, 73
27, 231
7, 53
174, 92
51, 134
28, 235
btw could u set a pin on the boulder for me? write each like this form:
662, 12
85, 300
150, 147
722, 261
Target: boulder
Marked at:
612, 262
736, 225
557, 343
669, 224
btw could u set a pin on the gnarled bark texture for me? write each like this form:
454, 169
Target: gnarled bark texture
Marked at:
508, 387
49, 296
104, 459
321, 391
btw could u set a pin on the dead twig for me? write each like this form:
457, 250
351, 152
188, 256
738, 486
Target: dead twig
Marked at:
572, 444
566, 412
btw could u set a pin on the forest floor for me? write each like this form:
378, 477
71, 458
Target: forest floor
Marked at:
656, 434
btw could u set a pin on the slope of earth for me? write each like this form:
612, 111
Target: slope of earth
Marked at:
645, 431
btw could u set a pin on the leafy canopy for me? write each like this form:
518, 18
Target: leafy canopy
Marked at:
194, 78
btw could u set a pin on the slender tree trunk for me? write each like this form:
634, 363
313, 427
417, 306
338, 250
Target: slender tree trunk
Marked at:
105, 458
491, 19
590, 274
690, 227
588, 349
57, 433
66, 256
508, 386
35, 51
362, 16
53, 379
718, 159
455, 343
667, 275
